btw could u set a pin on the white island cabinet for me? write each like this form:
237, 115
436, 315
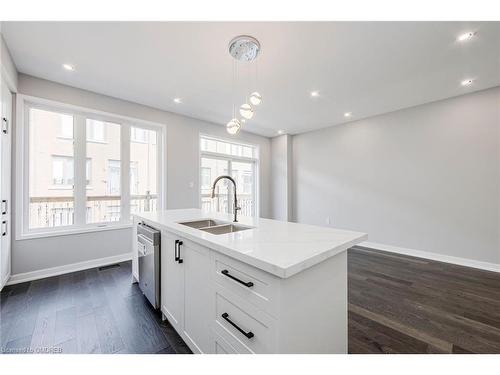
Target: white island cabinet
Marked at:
275, 287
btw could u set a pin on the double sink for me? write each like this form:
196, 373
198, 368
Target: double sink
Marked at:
215, 226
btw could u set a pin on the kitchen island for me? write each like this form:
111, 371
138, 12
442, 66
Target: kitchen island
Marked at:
256, 286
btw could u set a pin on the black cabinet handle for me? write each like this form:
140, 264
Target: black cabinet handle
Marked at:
179, 252
5, 125
176, 257
248, 334
4, 228
248, 284
4, 207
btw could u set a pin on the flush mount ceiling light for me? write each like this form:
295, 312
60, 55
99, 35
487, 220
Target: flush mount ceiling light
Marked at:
177, 100
69, 67
467, 82
466, 36
314, 94
348, 114
243, 49
280, 132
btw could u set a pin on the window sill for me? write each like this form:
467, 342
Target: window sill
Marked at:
72, 231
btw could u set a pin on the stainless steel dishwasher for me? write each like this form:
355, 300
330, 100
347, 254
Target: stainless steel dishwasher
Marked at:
148, 249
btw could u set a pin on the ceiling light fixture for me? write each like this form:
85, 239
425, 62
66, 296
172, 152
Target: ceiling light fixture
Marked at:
314, 94
246, 111
243, 48
233, 127
69, 67
466, 36
255, 98
178, 100
348, 114
280, 132
467, 82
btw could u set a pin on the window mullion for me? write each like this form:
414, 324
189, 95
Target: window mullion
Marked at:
125, 173
79, 165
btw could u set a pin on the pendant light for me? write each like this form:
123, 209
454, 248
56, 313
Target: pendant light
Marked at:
255, 98
243, 48
246, 111
233, 127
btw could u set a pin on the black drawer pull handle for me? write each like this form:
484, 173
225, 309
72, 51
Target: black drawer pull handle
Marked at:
4, 207
248, 284
176, 257
4, 225
179, 243
248, 334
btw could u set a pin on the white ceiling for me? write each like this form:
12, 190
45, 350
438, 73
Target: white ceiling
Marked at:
366, 68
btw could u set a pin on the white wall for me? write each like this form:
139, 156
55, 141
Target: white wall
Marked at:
281, 177
424, 178
7, 67
182, 170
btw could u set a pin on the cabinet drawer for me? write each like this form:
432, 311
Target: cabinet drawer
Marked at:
222, 346
250, 283
246, 328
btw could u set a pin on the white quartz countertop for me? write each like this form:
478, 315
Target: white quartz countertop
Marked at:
278, 247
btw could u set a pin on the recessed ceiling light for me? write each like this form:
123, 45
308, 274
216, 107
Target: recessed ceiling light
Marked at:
466, 36
467, 82
178, 100
314, 94
69, 67
348, 114
280, 131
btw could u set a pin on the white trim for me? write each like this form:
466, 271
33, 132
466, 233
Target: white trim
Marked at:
68, 268
4, 281
68, 230
434, 256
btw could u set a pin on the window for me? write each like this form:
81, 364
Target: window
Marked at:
96, 131
81, 184
240, 161
143, 171
66, 129
138, 135
48, 207
62, 171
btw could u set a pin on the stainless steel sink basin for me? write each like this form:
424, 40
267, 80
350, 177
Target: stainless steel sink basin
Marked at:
198, 224
215, 226
223, 229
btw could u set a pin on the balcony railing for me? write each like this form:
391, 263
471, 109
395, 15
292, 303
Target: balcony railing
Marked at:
46, 212
220, 203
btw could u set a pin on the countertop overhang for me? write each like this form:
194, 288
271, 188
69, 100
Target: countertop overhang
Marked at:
278, 247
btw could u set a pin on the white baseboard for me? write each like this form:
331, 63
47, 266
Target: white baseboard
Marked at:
434, 256
60, 270
4, 281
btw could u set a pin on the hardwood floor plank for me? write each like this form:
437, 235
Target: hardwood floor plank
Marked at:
86, 333
451, 308
109, 335
65, 329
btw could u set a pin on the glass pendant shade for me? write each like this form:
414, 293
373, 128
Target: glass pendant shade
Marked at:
233, 126
255, 98
246, 111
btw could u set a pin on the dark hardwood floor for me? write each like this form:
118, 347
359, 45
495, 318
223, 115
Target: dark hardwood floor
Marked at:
401, 304
92, 311
397, 304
